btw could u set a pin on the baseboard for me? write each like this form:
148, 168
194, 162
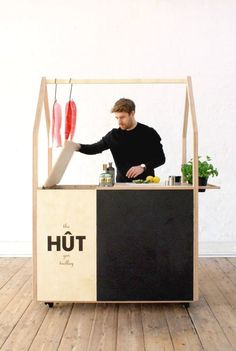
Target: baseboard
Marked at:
15, 248
206, 249
217, 249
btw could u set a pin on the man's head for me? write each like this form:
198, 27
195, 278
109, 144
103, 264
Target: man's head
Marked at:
124, 110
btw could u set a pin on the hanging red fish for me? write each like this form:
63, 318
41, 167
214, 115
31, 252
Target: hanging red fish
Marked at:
70, 122
56, 123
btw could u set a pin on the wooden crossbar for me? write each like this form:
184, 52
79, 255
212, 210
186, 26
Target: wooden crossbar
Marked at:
116, 81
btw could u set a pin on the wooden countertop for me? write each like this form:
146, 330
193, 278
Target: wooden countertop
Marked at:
132, 186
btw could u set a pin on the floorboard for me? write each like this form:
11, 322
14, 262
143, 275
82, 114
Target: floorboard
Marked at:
207, 325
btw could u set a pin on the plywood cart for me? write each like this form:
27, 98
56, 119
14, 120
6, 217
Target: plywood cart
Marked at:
94, 244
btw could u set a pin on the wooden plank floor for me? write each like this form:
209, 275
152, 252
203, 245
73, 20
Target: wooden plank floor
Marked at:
209, 324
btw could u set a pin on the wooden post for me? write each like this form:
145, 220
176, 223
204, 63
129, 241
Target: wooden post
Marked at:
47, 115
195, 183
185, 128
35, 179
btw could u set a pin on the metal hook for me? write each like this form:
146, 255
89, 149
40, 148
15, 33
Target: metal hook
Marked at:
70, 89
55, 96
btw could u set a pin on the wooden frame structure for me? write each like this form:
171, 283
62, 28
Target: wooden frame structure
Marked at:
189, 109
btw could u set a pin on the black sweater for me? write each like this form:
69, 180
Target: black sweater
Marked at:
130, 148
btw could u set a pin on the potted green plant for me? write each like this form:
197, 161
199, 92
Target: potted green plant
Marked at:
205, 170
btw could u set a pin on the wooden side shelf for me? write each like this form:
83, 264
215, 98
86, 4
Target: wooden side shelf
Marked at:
209, 186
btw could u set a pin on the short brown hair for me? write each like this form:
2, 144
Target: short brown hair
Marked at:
124, 105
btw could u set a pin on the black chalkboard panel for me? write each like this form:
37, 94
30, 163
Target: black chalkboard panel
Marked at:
144, 245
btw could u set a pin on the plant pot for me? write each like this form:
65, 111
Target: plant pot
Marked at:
202, 181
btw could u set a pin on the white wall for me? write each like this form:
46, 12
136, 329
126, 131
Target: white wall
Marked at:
119, 39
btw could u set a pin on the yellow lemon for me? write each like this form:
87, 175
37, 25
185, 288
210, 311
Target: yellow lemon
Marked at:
149, 179
156, 179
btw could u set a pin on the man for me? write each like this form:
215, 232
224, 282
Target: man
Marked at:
135, 147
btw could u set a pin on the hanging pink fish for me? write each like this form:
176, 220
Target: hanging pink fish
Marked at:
56, 123
70, 119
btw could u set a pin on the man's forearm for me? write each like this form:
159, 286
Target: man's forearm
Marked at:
156, 162
92, 149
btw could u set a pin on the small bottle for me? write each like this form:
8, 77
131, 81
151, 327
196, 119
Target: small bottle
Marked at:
102, 177
111, 170
108, 179
171, 180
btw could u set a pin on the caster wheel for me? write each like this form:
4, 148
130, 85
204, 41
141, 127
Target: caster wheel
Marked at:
50, 304
186, 304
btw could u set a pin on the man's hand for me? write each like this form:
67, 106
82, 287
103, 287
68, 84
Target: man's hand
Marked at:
69, 143
133, 172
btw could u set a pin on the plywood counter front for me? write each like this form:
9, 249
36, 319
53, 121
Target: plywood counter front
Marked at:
132, 244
